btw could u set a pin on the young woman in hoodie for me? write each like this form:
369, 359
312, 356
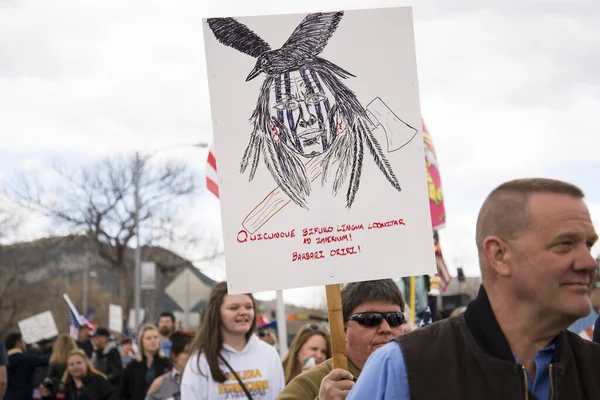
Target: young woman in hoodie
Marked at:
227, 359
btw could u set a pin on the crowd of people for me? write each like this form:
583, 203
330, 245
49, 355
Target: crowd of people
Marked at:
534, 240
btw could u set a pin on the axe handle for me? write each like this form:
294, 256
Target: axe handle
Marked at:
276, 200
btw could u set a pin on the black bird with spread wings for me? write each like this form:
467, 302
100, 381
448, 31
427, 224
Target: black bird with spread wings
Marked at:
306, 42
340, 130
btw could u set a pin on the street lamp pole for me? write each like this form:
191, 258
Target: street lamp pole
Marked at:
137, 274
137, 270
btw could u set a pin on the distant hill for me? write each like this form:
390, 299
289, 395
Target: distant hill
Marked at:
47, 268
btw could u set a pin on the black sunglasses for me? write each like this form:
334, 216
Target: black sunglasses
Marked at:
373, 319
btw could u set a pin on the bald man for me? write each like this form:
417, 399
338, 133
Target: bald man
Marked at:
534, 239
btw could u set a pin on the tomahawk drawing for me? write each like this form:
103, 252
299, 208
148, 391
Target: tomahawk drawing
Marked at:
307, 123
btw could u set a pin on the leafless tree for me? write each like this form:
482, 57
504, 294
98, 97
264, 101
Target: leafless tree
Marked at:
99, 200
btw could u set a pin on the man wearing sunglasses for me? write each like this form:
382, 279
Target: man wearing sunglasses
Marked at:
534, 238
373, 314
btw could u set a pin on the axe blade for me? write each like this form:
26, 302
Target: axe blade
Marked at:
398, 133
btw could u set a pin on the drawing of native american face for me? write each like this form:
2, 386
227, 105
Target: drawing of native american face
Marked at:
300, 107
304, 110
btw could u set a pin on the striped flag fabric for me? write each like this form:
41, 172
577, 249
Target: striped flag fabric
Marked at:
211, 172
127, 334
445, 276
584, 327
76, 319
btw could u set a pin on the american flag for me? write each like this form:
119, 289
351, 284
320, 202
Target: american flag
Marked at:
127, 334
445, 276
211, 172
76, 319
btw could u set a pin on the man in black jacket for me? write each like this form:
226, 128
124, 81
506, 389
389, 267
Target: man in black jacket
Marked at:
534, 238
106, 357
83, 340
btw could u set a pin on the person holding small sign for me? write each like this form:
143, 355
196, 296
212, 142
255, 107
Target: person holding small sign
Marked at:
374, 315
534, 239
228, 360
21, 368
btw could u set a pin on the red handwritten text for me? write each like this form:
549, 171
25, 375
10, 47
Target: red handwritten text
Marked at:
243, 236
379, 225
350, 227
313, 255
331, 239
317, 231
346, 251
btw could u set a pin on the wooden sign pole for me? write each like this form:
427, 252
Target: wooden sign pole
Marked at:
336, 326
413, 305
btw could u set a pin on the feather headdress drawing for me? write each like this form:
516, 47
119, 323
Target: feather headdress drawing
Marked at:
304, 111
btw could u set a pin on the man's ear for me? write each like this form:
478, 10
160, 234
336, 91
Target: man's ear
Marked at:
346, 332
497, 255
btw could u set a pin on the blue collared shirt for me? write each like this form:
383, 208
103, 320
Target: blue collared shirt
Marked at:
540, 387
384, 375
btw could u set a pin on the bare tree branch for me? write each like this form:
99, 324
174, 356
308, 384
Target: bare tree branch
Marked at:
99, 200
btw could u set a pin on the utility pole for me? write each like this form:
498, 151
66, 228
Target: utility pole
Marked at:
281, 324
137, 274
137, 271
86, 275
187, 303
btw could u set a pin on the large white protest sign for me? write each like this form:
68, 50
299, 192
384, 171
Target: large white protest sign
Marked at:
115, 318
317, 128
38, 327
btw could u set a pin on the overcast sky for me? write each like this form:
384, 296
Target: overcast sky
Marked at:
508, 89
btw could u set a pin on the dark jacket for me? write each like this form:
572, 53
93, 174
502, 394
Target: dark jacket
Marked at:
108, 361
468, 357
137, 378
54, 376
20, 373
56, 371
95, 387
41, 372
87, 347
597, 330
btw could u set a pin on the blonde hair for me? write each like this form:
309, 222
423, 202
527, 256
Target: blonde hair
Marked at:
140, 342
67, 378
291, 365
63, 346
